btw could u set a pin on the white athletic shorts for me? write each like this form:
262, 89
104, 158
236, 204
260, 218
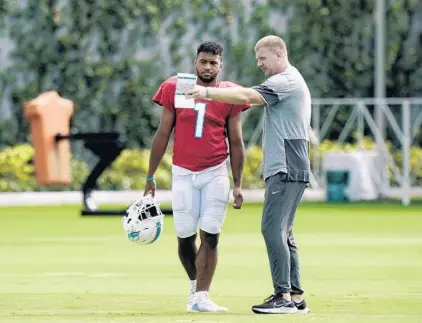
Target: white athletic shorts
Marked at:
200, 199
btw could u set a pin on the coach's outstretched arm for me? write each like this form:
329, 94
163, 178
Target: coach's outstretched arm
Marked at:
234, 95
237, 158
158, 149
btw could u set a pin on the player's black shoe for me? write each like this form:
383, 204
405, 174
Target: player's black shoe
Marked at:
302, 307
275, 304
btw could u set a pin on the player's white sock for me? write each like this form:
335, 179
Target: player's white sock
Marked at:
193, 286
191, 295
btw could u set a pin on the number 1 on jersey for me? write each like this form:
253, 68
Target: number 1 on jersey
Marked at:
200, 118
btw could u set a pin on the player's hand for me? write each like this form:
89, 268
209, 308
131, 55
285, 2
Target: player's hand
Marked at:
198, 92
150, 188
237, 198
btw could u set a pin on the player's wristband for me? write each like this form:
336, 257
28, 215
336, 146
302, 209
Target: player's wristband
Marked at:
150, 179
207, 94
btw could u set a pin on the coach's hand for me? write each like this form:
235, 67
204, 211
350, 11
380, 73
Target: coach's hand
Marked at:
237, 198
198, 92
150, 188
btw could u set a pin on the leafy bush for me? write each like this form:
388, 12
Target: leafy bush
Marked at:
130, 168
16, 172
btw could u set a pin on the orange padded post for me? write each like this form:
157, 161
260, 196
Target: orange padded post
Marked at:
49, 115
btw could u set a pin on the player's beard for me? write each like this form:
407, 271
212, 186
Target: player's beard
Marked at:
207, 79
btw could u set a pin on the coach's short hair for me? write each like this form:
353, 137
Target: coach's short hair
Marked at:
271, 41
210, 47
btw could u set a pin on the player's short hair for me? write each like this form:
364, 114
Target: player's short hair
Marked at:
210, 47
273, 42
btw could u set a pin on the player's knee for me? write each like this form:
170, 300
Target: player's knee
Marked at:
186, 243
184, 229
212, 224
210, 239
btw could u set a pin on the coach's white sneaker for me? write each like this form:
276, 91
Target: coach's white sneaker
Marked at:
202, 303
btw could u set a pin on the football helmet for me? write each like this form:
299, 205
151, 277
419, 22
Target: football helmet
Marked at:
143, 221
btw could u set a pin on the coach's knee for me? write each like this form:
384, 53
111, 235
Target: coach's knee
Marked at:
268, 231
210, 239
291, 240
273, 232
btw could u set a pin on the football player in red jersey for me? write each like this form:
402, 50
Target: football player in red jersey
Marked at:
200, 184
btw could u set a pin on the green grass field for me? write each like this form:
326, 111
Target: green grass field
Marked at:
360, 263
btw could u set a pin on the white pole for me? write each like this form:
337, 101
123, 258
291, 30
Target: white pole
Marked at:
317, 154
406, 124
380, 49
361, 127
379, 79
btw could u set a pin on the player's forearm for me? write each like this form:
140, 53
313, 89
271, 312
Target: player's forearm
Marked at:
234, 95
159, 146
237, 162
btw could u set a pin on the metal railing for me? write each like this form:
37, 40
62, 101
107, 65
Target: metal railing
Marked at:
400, 121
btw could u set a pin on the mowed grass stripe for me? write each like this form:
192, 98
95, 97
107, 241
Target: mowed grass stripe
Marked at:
360, 263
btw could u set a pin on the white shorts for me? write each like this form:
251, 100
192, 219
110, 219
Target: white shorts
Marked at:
200, 198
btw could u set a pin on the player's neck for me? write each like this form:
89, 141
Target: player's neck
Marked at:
212, 84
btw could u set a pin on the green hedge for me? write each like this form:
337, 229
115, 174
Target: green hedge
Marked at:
129, 170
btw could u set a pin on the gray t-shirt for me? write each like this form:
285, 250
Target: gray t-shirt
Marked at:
287, 119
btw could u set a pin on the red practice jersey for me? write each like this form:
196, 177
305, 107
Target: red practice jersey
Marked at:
199, 133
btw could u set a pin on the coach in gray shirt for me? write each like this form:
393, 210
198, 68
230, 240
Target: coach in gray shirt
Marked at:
286, 168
